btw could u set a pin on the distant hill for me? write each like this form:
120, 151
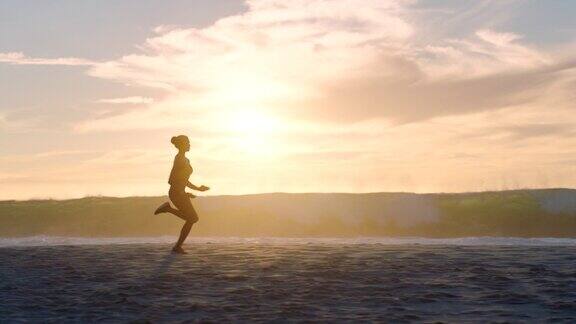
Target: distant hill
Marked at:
523, 213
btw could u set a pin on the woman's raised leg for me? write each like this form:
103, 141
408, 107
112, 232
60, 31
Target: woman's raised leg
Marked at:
178, 213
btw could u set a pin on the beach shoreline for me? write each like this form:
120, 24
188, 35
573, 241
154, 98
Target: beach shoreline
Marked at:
256, 281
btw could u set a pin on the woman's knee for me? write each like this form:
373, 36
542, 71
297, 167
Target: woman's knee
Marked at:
192, 218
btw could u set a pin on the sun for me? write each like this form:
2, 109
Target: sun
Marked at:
251, 122
252, 131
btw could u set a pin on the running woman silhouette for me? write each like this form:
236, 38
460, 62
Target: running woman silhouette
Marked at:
181, 171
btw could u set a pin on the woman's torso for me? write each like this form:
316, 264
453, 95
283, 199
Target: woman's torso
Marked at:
181, 171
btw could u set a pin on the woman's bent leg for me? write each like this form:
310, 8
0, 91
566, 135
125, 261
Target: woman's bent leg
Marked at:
178, 213
183, 205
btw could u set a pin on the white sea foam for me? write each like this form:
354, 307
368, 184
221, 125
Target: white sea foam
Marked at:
465, 241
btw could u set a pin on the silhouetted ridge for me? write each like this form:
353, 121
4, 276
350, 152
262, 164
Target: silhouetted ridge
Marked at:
523, 213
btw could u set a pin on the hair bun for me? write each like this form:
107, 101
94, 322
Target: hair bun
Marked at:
179, 140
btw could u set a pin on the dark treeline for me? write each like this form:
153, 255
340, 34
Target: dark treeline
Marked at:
521, 213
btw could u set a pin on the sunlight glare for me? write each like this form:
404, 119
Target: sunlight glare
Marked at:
251, 131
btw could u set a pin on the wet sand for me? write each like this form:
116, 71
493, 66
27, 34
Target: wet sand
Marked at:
288, 282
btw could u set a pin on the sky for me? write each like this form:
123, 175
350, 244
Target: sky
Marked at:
286, 96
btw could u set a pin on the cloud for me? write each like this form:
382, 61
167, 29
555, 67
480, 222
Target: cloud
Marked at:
408, 101
21, 59
322, 61
43, 157
325, 61
529, 131
127, 100
487, 52
3, 122
14, 125
173, 112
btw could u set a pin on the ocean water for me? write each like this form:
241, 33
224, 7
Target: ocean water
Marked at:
49, 279
464, 241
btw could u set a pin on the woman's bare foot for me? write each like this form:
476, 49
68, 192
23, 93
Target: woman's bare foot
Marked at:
164, 208
178, 250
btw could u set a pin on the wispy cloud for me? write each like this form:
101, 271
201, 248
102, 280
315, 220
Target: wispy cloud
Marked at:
2, 121
12, 125
21, 59
127, 100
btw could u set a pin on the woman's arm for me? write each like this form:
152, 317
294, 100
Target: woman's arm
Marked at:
194, 187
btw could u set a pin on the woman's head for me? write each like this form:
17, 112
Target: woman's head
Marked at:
181, 142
